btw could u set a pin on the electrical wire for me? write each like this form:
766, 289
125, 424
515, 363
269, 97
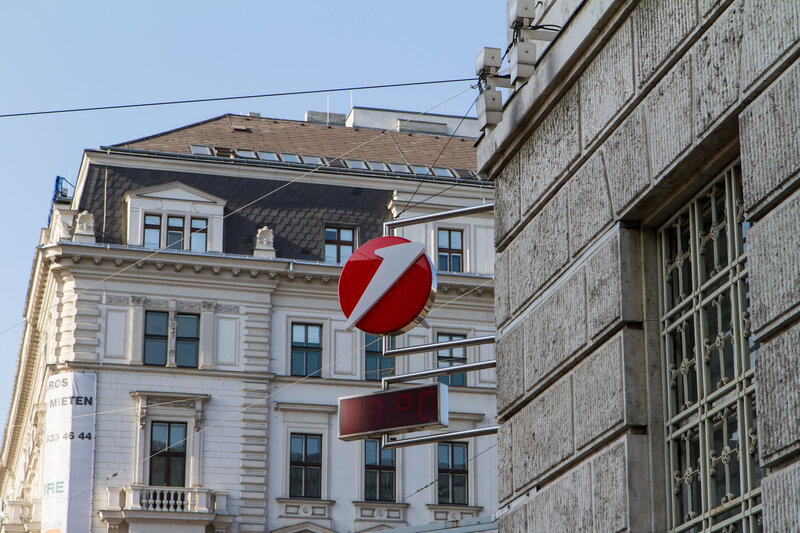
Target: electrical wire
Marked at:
253, 404
460, 122
229, 98
434, 480
303, 379
237, 210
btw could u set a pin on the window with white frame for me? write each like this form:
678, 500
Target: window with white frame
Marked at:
452, 357
379, 472
713, 473
194, 221
305, 466
157, 339
450, 250
452, 473
339, 243
167, 454
180, 234
306, 357
377, 366
168, 440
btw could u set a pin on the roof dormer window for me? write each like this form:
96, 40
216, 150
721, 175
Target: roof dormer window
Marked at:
175, 216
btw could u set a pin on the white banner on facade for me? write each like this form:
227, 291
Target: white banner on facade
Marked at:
71, 400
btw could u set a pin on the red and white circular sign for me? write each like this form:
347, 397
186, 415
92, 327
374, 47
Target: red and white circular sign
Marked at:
387, 286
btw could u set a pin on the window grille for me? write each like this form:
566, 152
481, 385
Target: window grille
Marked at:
713, 474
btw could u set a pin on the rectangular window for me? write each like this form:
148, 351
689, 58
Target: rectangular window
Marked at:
452, 473
442, 172
268, 156
198, 149
379, 472
187, 340
198, 240
175, 233
377, 365
339, 244
305, 466
713, 472
152, 231
167, 454
306, 350
155, 337
450, 250
452, 357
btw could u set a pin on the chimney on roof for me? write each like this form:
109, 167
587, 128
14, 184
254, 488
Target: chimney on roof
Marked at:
321, 117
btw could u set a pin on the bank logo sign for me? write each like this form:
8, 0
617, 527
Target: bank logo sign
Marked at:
71, 400
387, 286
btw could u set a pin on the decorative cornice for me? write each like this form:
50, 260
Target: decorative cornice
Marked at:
306, 407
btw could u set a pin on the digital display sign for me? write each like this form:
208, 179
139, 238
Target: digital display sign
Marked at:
396, 411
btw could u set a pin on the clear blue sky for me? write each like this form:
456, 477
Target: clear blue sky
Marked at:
79, 54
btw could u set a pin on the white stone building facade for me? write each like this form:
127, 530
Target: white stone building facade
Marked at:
192, 334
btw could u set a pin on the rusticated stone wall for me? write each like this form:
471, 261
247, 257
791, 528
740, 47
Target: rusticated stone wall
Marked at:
666, 95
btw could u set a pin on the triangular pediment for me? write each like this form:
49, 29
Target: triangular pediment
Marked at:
175, 191
303, 527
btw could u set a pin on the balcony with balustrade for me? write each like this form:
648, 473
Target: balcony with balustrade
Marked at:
180, 509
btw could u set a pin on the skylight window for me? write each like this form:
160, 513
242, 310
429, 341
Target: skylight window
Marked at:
312, 160
336, 163
223, 151
356, 163
422, 170
398, 167
461, 173
199, 149
442, 172
377, 165
268, 156
245, 154
291, 158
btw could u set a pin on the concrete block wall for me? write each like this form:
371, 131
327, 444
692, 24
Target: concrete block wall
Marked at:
665, 96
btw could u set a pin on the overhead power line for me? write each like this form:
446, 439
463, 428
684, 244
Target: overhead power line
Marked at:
228, 98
